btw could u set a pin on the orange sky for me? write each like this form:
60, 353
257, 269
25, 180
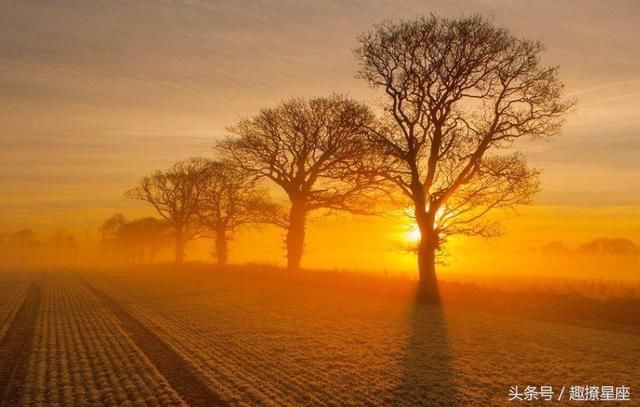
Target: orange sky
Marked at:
93, 95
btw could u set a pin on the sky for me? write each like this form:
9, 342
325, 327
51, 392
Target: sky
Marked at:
94, 95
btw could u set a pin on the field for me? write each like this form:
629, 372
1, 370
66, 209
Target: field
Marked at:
12, 291
202, 336
80, 355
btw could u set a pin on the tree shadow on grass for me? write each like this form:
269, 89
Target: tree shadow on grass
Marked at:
427, 376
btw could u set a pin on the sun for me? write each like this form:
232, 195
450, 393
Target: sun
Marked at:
412, 234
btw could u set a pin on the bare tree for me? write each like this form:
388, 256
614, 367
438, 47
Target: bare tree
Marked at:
142, 238
458, 91
134, 240
312, 149
111, 225
229, 199
174, 193
22, 248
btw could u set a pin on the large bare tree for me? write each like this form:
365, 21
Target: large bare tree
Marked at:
174, 193
229, 199
312, 149
458, 91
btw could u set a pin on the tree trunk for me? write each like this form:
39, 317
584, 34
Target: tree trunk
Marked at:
179, 246
428, 291
428, 286
295, 234
222, 250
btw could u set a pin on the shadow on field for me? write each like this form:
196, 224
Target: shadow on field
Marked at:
427, 376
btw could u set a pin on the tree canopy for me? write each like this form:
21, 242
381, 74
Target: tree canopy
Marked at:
314, 150
175, 195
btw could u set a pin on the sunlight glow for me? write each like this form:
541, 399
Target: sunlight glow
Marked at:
412, 234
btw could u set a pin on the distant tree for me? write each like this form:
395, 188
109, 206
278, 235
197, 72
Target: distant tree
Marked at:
312, 149
229, 199
63, 238
556, 247
142, 238
20, 247
23, 237
135, 240
111, 225
457, 91
174, 193
618, 247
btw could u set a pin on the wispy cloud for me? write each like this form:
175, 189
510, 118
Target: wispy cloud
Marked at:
109, 90
603, 86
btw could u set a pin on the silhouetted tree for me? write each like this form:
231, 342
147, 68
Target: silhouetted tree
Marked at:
111, 225
556, 247
229, 199
312, 149
23, 237
174, 193
618, 247
457, 91
134, 240
20, 248
143, 236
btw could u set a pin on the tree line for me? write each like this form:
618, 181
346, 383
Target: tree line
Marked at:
22, 248
456, 96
